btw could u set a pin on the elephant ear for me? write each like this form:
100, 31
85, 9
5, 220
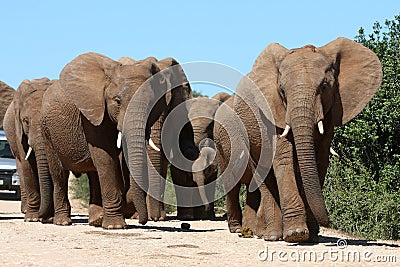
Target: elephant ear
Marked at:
17, 111
265, 75
177, 82
360, 75
24, 91
84, 80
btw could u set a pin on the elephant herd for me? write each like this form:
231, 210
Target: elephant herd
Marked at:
113, 119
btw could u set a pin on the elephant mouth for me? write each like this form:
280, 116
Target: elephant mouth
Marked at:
206, 142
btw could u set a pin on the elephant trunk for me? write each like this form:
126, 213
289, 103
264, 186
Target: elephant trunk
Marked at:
303, 126
45, 181
157, 167
200, 180
137, 159
144, 177
199, 130
154, 192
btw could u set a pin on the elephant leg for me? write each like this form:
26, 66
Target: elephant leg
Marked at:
292, 206
163, 213
234, 211
159, 163
269, 215
32, 192
210, 192
128, 208
96, 211
111, 184
62, 206
198, 211
184, 186
250, 210
22, 186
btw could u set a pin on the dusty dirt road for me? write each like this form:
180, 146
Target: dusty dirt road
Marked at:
206, 243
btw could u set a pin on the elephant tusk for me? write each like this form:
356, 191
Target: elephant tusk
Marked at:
286, 131
119, 140
28, 153
321, 127
153, 146
333, 152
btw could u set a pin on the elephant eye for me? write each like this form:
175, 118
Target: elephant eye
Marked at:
25, 121
325, 85
117, 100
282, 91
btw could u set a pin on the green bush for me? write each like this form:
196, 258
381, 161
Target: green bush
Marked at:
80, 187
169, 194
362, 188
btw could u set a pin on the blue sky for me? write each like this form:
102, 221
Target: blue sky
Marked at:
40, 37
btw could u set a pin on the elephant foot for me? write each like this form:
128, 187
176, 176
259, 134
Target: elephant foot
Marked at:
185, 217
269, 233
96, 214
272, 237
31, 216
163, 216
62, 220
297, 235
114, 222
47, 220
209, 216
234, 227
202, 213
185, 214
295, 229
270, 230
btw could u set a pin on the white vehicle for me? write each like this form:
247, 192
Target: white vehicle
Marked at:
9, 178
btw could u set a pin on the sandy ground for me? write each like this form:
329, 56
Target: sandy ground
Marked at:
206, 243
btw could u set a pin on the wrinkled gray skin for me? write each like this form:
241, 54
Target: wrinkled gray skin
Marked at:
92, 148
176, 96
305, 88
22, 125
205, 168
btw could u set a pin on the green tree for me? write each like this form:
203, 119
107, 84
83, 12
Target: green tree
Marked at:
197, 93
362, 188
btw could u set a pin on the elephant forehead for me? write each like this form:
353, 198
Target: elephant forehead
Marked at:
137, 71
203, 107
303, 59
206, 112
308, 68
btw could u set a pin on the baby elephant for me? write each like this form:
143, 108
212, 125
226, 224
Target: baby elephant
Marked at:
198, 203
